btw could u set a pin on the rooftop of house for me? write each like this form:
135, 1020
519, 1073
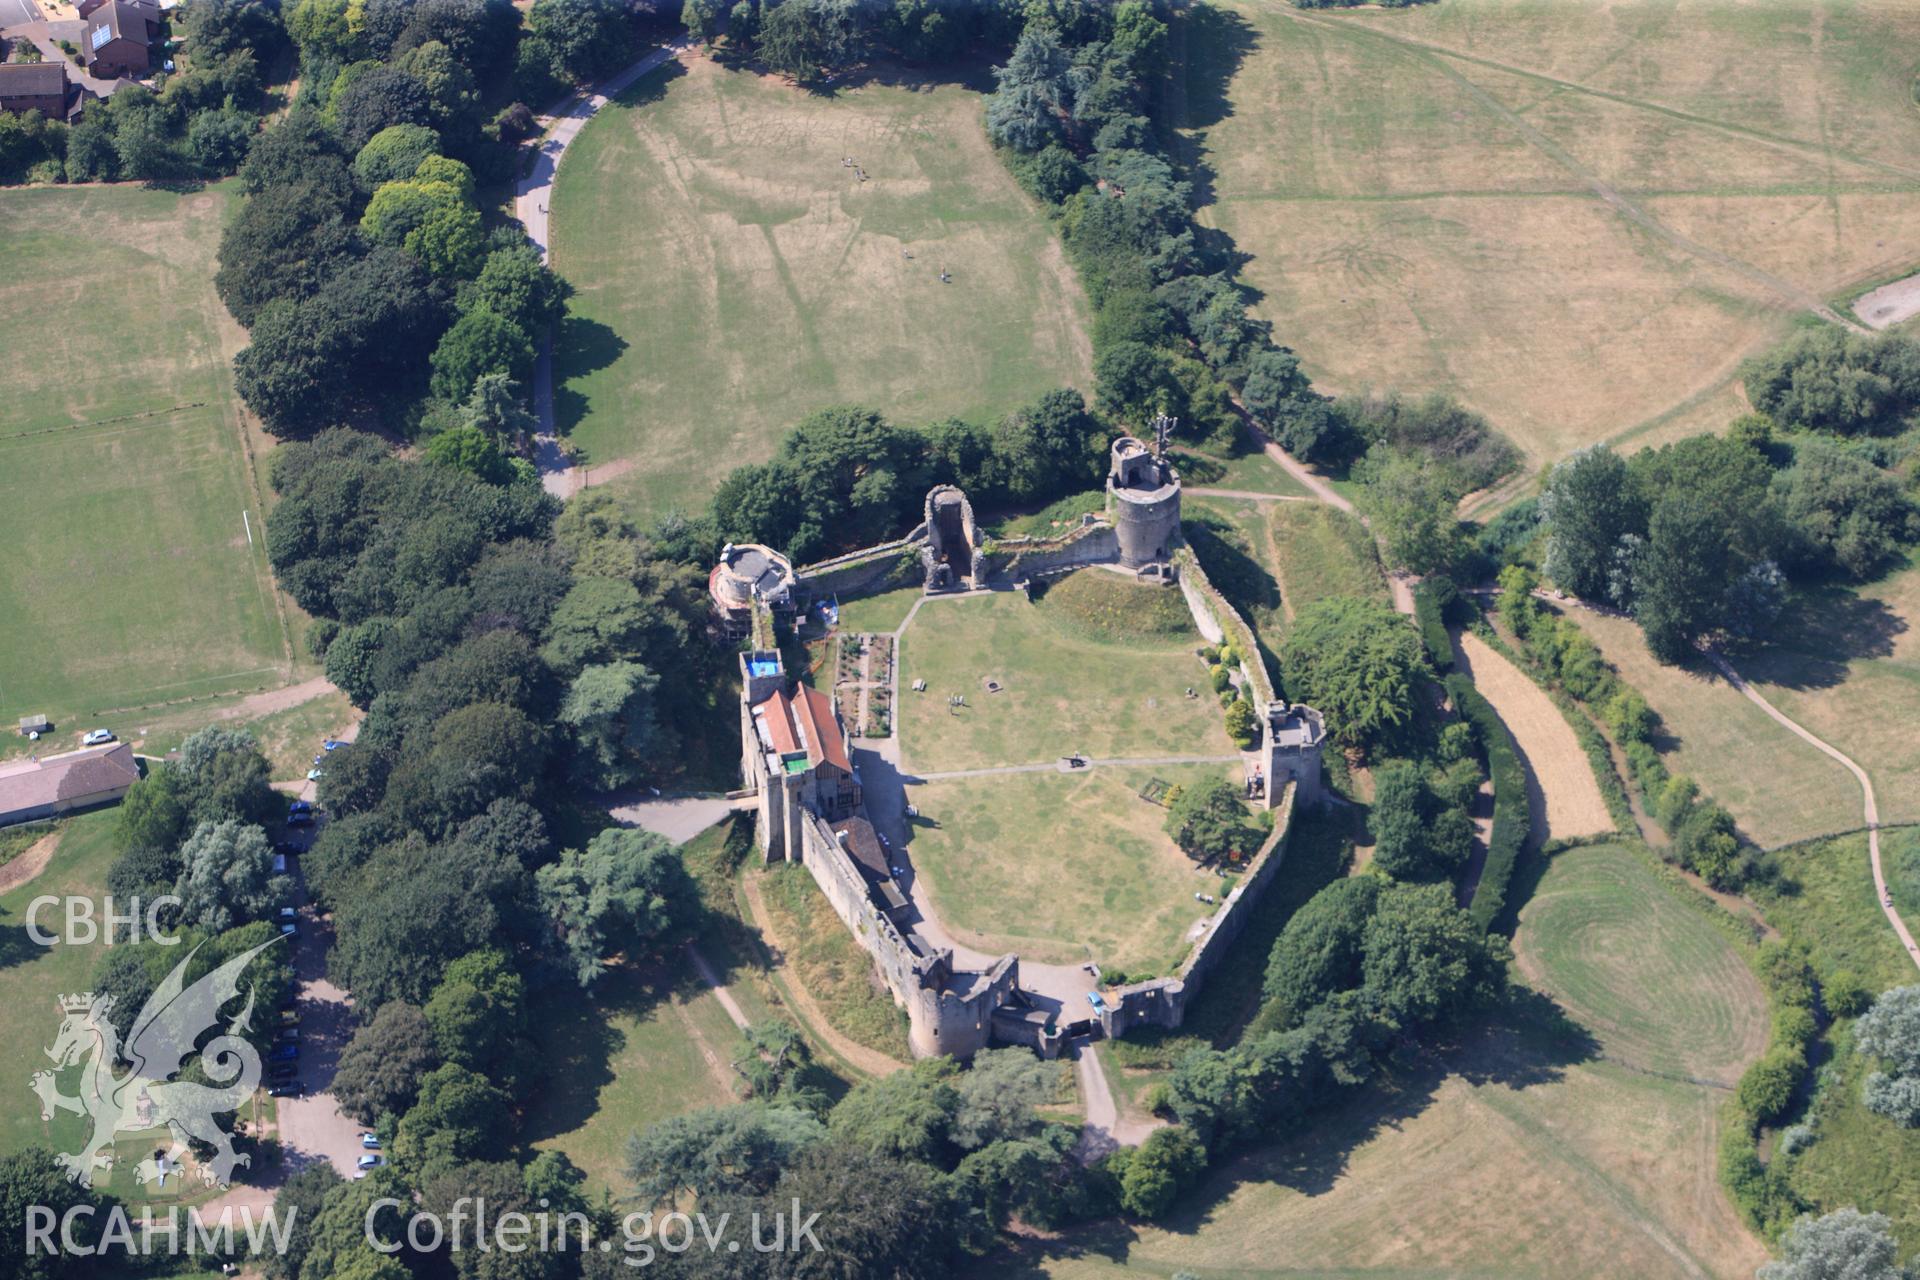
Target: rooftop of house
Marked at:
749, 571
862, 843
33, 784
118, 20
33, 79
803, 722
1295, 725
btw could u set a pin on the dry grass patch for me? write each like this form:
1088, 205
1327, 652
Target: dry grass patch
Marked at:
1777, 787
1525, 1151
1846, 665
1063, 868
734, 275
1417, 191
1566, 799
1059, 692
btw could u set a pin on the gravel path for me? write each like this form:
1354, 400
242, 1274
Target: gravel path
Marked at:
1871, 806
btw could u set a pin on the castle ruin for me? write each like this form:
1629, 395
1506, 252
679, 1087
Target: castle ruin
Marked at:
810, 800
1143, 503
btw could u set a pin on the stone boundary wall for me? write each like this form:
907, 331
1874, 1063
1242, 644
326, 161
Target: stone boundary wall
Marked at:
939, 1019
1219, 620
846, 889
1230, 921
868, 571
1162, 1002
1089, 545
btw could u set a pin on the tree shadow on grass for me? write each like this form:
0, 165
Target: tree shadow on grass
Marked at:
1218, 42
1823, 630
652, 86
1526, 1043
580, 347
15, 946
578, 1041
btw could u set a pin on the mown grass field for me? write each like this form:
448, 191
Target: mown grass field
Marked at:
1063, 868
1060, 692
1526, 1150
32, 977
1778, 788
128, 577
1576, 218
734, 275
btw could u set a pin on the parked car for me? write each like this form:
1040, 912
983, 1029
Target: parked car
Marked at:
372, 1161
279, 864
288, 913
291, 1089
300, 813
314, 775
331, 745
285, 1053
289, 931
97, 737
290, 1034
370, 1141
285, 1071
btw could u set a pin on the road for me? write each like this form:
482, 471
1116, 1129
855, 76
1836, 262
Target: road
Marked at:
532, 200
1871, 806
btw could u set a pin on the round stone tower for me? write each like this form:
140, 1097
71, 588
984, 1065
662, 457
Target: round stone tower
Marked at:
1143, 502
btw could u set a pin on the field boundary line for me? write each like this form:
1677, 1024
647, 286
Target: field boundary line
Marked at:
123, 419
1605, 191
1785, 141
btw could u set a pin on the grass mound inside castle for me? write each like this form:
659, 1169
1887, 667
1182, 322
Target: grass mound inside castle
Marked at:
1063, 868
1074, 672
1112, 609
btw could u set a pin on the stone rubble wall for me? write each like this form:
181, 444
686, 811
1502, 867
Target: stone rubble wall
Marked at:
1162, 1002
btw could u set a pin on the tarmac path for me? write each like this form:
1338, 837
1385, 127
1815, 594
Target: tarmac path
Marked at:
533, 198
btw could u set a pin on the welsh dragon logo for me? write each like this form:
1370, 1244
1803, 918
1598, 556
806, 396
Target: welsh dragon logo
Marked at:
159, 1042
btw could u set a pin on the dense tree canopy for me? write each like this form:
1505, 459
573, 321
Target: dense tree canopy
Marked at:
1358, 662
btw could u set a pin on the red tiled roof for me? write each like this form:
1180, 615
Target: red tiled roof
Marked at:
776, 713
815, 713
32, 784
804, 722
